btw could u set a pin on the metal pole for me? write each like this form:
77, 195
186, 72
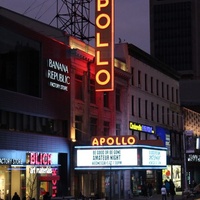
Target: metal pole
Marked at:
185, 163
110, 196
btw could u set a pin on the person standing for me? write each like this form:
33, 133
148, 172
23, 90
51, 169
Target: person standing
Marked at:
172, 190
164, 193
15, 196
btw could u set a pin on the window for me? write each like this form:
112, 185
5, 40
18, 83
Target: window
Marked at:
93, 126
172, 94
177, 95
167, 92
92, 92
20, 59
157, 87
163, 91
152, 111
146, 109
139, 78
139, 107
145, 82
163, 114
118, 129
132, 105
132, 77
158, 114
106, 128
78, 127
106, 99
118, 99
151, 84
78, 87
167, 116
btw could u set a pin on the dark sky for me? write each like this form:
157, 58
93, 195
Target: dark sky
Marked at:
131, 17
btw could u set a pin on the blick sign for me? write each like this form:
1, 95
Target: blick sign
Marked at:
104, 33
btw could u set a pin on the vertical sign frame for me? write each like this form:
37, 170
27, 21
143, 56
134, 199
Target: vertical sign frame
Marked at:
104, 45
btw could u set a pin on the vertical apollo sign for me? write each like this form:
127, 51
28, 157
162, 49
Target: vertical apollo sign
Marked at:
104, 33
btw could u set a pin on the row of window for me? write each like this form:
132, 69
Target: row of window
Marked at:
155, 86
154, 112
20, 122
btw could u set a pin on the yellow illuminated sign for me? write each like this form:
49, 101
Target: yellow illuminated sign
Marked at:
104, 45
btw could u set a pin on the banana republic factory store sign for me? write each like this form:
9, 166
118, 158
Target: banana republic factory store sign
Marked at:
119, 152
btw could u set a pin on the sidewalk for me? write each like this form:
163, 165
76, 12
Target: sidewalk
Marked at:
178, 196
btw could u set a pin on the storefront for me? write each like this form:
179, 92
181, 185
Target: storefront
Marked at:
118, 160
30, 174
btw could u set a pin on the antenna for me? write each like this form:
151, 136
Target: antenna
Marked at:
73, 16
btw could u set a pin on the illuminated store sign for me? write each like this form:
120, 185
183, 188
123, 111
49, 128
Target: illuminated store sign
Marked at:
10, 161
152, 157
58, 74
193, 158
39, 158
104, 32
114, 140
40, 170
106, 157
140, 127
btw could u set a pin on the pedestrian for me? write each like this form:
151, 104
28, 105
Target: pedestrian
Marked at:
164, 193
150, 189
172, 190
167, 186
15, 196
47, 196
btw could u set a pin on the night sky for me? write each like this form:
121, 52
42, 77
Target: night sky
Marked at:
131, 17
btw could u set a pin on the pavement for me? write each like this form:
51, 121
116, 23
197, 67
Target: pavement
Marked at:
178, 196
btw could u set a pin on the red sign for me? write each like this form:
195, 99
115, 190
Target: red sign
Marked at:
39, 159
104, 32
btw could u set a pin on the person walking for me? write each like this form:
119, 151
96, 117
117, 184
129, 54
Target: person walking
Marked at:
164, 193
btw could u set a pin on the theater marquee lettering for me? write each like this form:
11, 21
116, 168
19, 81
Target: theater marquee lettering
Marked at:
114, 140
104, 32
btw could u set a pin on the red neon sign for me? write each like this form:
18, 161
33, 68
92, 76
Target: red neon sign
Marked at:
40, 159
104, 33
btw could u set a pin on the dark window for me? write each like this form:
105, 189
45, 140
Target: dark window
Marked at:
92, 92
78, 127
20, 59
163, 90
139, 107
78, 87
106, 99
146, 82
152, 111
132, 76
106, 128
93, 126
132, 105
118, 129
118, 99
151, 84
146, 109
139, 78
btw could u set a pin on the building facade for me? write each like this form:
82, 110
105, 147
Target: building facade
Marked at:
174, 39
34, 109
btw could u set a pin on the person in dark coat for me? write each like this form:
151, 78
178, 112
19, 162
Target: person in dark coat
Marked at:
15, 196
172, 190
47, 196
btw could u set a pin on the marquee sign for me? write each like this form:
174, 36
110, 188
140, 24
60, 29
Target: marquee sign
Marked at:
104, 34
120, 157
